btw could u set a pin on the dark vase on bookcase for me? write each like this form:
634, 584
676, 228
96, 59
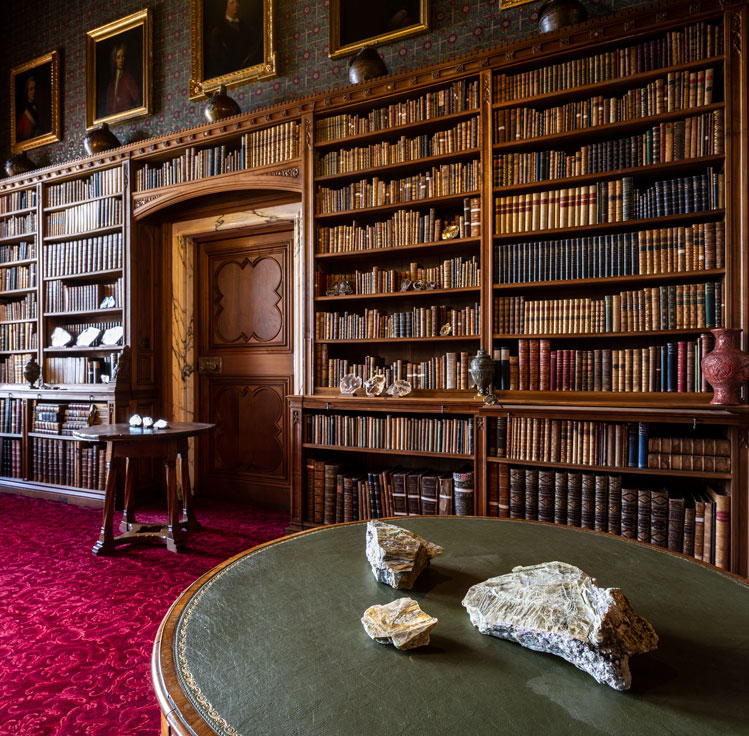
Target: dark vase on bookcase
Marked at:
726, 367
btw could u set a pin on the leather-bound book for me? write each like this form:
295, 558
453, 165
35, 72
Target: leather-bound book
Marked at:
429, 500
546, 502
463, 493
413, 493
445, 490
330, 474
658, 517
504, 491
560, 497
721, 527
531, 494
517, 493
400, 503
601, 503
492, 489
688, 539
675, 533
643, 515
614, 516
319, 490
629, 513
339, 498
587, 501
574, 499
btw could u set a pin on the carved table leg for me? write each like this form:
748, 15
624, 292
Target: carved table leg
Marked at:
128, 515
105, 544
174, 539
188, 519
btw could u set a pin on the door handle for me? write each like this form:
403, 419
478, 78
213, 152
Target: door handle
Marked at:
210, 365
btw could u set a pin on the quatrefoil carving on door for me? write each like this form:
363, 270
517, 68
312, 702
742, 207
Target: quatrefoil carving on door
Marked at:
254, 309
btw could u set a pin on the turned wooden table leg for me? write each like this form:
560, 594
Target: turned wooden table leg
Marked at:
189, 521
105, 545
174, 538
128, 515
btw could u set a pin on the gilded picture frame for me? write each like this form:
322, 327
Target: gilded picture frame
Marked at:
357, 24
231, 42
118, 70
35, 103
507, 4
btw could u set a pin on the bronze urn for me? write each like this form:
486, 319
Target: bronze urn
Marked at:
220, 105
19, 163
365, 64
100, 139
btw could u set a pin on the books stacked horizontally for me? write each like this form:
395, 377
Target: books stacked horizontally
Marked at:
336, 494
48, 417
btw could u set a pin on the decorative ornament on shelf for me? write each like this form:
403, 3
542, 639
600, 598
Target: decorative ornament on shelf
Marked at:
100, 139
450, 232
220, 105
557, 14
160, 424
32, 371
482, 372
366, 64
375, 385
19, 163
726, 366
400, 388
147, 422
135, 421
349, 384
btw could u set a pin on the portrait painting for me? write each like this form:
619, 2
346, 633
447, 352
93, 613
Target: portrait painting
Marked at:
232, 42
355, 24
118, 70
35, 103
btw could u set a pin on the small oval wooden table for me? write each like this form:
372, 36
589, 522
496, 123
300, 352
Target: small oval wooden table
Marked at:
270, 642
126, 444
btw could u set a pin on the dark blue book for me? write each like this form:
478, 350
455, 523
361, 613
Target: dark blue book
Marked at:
632, 445
672, 351
663, 367
642, 445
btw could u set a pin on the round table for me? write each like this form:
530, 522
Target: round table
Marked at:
270, 642
126, 445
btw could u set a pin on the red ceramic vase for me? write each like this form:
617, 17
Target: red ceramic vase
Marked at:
726, 366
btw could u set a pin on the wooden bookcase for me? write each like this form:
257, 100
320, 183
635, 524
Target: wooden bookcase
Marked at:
597, 306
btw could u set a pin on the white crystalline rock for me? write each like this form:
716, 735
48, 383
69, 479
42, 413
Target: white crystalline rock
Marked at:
397, 556
557, 608
400, 623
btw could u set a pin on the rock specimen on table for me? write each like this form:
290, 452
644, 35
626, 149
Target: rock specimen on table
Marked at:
557, 608
397, 555
400, 623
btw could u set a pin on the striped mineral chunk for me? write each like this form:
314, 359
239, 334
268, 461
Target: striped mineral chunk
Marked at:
557, 608
396, 555
400, 623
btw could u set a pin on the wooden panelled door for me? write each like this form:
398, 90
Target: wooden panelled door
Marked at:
245, 350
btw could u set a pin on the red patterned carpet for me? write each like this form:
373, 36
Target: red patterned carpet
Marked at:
76, 631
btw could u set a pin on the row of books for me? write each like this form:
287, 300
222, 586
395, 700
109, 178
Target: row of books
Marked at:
98, 184
606, 202
264, 147
462, 137
68, 258
696, 247
671, 367
676, 91
445, 180
18, 200
612, 444
100, 213
11, 416
18, 225
696, 524
19, 336
448, 372
62, 417
70, 370
453, 273
697, 136
418, 322
63, 463
59, 297
391, 432
22, 251
336, 494
11, 461
11, 368
18, 277
671, 307
24, 308
405, 227
458, 97
693, 43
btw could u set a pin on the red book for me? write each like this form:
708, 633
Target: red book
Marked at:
544, 369
523, 373
553, 384
533, 365
565, 370
681, 370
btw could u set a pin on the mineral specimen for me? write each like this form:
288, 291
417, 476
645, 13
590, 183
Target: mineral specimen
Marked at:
557, 608
400, 623
397, 556
400, 387
349, 384
374, 385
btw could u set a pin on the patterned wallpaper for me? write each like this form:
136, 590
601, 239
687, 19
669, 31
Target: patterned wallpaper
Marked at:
38, 26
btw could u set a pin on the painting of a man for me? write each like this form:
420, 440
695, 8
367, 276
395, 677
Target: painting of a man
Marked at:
233, 36
123, 92
33, 102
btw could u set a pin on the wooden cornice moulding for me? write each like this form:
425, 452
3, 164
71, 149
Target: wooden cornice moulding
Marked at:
281, 177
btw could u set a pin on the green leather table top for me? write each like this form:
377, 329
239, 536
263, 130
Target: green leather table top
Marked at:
273, 643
